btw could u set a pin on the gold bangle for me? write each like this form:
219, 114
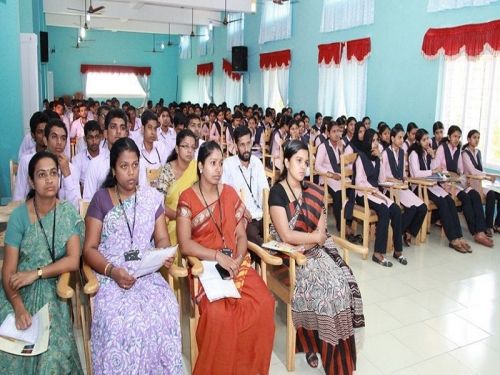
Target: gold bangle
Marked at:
106, 269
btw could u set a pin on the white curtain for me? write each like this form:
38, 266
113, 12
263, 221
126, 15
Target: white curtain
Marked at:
344, 14
205, 88
233, 93
84, 84
438, 5
276, 22
275, 87
185, 47
203, 40
235, 30
469, 96
342, 88
144, 82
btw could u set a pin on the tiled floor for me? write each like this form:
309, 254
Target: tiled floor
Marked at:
440, 314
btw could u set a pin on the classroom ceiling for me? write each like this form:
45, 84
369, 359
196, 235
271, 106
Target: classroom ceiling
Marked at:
151, 16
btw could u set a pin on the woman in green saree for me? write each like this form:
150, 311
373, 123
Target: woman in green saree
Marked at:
42, 241
178, 174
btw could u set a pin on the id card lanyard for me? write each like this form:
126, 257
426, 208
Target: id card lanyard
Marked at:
130, 230
249, 185
219, 229
52, 250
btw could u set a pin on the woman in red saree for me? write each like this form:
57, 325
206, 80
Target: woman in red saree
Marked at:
234, 336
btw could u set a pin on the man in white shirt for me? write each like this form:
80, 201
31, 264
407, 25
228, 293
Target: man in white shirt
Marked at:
134, 121
153, 153
93, 137
116, 127
56, 136
166, 134
193, 123
245, 173
33, 141
77, 125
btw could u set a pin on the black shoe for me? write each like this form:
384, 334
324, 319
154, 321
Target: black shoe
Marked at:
401, 259
384, 262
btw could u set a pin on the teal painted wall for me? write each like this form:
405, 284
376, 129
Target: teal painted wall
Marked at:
110, 48
10, 90
402, 84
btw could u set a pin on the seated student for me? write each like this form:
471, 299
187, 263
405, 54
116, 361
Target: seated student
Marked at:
217, 128
438, 130
166, 133
135, 320
153, 153
322, 134
367, 174
348, 132
33, 141
179, 121
420, 156
210, 218
78, 124
326, 304
207, 125
246, 174
177, 175
328, 162
367, 122
277, 138
231, 145
318, 121
471, 157
55, 137
193, 123
42, 241
356, 140
115, 125
384, 135
393, 169
102, 111
409, 138
135, 122
81, 161
449, 158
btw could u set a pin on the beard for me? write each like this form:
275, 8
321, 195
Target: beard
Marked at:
245, 156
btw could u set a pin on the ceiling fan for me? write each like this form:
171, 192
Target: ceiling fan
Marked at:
90, 10
169, 42
225, 21
192, 34
154, 50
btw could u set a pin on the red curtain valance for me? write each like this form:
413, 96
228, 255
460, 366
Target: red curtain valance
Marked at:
451, 40
228, 69
274, 59
138, 70
205, 69
359, 48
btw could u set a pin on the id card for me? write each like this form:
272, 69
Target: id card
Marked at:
132, 255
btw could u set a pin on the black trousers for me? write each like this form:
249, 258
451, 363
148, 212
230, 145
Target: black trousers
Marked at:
349, 206
472, 207
337, 205
448, 215
255, 232
386, 214
491, 198
413, 217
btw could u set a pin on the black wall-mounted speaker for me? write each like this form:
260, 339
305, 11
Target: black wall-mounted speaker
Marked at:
239, 58
44, 46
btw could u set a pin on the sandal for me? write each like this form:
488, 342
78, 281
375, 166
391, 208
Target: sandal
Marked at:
383, 262
407, 239
457, 246
401, 259
355, 238
312, 359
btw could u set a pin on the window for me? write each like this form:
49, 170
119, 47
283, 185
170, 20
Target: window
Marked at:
235, 30
438, 5
344, 14
276, 22
469, 96
233, 85
203, 40
113, 84
185, 47
343, 77
275, 75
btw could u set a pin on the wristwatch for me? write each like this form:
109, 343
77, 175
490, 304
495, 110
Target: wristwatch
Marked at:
39, 272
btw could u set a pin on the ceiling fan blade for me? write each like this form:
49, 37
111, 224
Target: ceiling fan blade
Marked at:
96, 9
237, 20
76, 10
211, 19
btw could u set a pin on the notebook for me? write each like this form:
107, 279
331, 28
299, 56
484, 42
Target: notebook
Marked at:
152, 260
214, 286
279, 246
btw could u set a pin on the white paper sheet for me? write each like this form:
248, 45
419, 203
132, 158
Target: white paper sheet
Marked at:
30, 342
152, 260
214, 286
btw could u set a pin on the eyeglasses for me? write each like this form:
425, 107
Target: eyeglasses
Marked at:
186, 147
